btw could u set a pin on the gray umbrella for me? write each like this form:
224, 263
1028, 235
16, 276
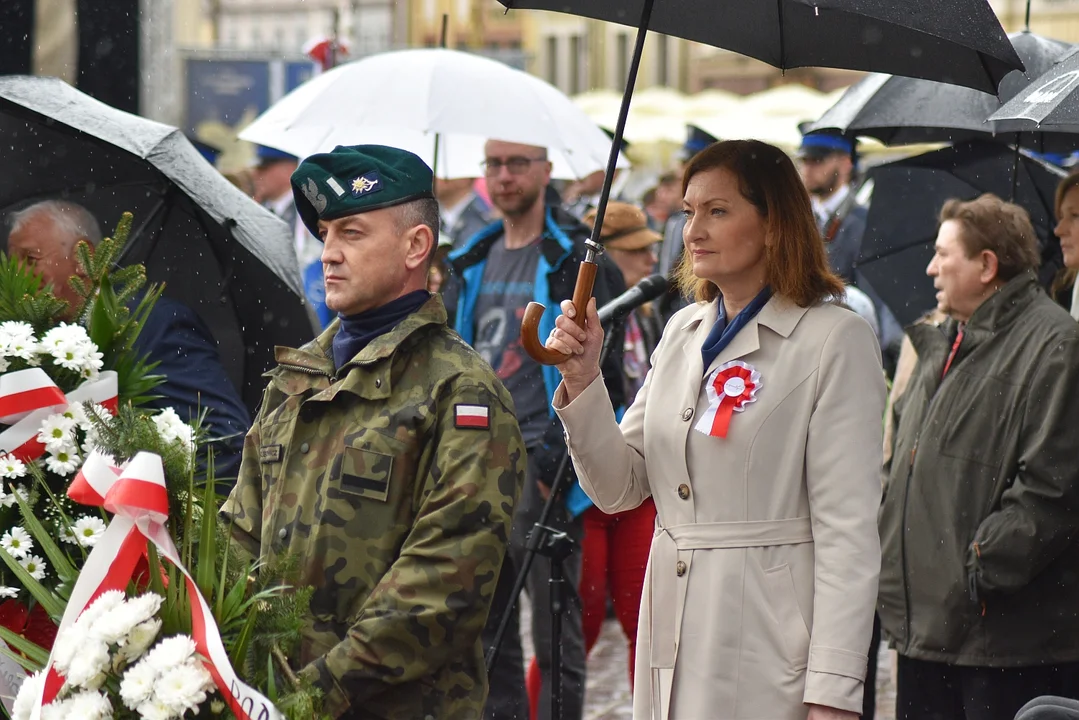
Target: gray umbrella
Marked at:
217, 250
1049, 105
903, 111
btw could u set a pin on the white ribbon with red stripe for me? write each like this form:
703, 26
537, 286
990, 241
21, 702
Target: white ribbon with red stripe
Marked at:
28, 397
137, 497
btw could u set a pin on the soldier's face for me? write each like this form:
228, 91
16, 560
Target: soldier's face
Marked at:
365, 260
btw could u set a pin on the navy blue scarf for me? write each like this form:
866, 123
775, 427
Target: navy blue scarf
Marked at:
723, 332
357, 331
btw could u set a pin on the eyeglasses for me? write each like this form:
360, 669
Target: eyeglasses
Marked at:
517, 165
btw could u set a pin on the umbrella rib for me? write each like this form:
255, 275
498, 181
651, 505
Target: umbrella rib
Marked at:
893, 251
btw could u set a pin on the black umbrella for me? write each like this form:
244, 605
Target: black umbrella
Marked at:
955, 41
903, 111
908, 195
1048, 105
217, 250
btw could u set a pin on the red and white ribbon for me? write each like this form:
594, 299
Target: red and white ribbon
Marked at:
28, 397
730, 388
137, 497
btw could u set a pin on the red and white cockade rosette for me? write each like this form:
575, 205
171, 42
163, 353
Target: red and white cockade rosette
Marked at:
730, 387
137, 497
28, 397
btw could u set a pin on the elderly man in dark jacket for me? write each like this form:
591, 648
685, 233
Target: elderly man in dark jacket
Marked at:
979, 590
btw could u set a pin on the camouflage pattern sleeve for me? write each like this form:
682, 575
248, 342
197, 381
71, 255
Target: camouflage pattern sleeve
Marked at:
242, 511
429, 609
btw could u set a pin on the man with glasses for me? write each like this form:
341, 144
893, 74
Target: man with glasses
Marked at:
532, 254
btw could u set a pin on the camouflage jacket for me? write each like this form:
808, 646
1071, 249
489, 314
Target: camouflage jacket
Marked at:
392, 482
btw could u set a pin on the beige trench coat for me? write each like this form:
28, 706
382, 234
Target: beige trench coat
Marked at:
762, 578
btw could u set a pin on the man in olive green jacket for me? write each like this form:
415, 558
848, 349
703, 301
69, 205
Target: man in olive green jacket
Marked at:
979, 590
385, 459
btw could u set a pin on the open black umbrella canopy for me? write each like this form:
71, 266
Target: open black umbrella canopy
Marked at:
903, 111
217, 250
1049, 104
907, 197
955, 41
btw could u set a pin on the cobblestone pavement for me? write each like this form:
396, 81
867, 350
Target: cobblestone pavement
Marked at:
607, 695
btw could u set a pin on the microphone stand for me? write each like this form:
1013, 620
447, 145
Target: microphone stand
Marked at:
555, 545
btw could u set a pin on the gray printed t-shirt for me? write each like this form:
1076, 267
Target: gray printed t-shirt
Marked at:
507, 287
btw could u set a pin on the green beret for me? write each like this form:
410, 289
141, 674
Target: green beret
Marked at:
358, 179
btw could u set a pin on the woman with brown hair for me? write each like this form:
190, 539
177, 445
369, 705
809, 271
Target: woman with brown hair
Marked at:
1065, 290
758, 435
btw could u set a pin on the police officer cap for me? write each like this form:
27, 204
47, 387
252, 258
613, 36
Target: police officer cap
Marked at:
696, 140
358, 179
267, 155
823, 144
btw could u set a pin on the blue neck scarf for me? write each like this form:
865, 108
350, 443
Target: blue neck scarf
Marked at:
357, 331
723, 332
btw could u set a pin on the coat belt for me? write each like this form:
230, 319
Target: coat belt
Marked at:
668, 590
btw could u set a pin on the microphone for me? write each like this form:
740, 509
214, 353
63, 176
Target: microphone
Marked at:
645, 291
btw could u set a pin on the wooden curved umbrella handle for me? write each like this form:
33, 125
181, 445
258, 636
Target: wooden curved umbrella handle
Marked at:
582, 292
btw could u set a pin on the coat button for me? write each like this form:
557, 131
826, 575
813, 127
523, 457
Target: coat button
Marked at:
683, 491
687, 414
282, 533
680, 568
304, 447
378, 382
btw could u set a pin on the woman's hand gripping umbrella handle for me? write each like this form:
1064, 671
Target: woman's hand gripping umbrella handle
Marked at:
582, 292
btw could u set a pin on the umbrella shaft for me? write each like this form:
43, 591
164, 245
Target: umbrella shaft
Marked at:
623, 115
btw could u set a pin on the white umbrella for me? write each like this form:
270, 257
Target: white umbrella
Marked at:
407, 97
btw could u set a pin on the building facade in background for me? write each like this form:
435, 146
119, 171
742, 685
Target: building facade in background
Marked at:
285, 26
578, 54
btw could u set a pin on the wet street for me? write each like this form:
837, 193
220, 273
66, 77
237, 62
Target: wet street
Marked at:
607, 696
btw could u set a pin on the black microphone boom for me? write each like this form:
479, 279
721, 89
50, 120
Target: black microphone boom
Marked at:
645, 291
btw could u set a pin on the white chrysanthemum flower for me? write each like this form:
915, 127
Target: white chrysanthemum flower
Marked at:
144, 607
11, 467
154, 709
137, 685
184, 687
34, 565
8, 592
69, 356
139, 640
92, 362
17, 542
105, 603
114, 626
171, 427
4, 364
63, 462
17, 340
67, 644
217, 706
28, 693
65, 333
67, 534
91, 660
56, 432
170, 652
56, 710
7, 499
88, 530
89, 705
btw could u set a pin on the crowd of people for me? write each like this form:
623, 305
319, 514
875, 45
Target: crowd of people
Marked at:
767, 477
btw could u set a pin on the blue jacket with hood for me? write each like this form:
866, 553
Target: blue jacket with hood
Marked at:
561, 250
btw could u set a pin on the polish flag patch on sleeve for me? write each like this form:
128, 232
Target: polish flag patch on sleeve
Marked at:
472, 416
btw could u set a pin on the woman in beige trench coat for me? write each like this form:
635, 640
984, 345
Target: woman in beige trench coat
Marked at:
763, 460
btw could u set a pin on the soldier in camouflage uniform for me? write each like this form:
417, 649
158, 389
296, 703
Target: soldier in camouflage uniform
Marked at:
385, 458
